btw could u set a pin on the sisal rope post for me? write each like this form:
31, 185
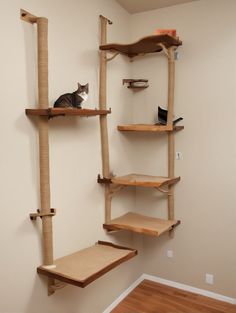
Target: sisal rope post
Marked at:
171, 142
42, 36
103, 118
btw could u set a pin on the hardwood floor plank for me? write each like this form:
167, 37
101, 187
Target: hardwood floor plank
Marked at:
151, 297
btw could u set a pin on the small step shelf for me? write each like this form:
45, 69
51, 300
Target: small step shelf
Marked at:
149, 44
53, 112
136, 84
83, 267
148, 128
142, 180
141, 224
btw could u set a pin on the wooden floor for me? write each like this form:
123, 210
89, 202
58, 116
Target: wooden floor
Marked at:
150, 297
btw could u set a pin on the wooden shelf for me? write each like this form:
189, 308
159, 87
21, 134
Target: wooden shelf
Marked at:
85, 266
145, 45
137, 87
143, 83
144, 180
52, 112
148, 128
141, 224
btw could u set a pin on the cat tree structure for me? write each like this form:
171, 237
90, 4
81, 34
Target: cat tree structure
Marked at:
84, 266
87, 265
133, 221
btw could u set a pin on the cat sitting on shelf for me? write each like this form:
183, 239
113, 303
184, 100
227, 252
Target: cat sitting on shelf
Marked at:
162, 117
74, 99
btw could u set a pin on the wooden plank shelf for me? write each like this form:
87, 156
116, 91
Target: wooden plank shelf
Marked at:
149, 44
83, 267
148, 128
144, 180
53, 112
141, 224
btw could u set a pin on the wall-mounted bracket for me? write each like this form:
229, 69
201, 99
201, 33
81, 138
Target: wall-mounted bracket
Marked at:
28, 17
115, 189
105, 18
164, 49
113, 56
56, 285
34, 216
108, 181
164, 190
103, 180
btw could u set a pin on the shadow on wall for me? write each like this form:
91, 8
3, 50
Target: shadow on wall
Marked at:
77, 300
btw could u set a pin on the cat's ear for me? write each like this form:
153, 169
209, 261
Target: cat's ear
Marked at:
87, 86
79, 85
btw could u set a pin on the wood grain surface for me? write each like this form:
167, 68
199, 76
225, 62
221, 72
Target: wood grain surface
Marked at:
150, 297
141, 224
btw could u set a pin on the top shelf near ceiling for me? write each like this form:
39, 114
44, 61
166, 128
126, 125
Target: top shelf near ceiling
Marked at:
149, 44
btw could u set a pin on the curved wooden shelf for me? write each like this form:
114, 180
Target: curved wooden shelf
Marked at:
87, 265
148, 128
144, 180
149, 44
141, 224
53, 112
137, 87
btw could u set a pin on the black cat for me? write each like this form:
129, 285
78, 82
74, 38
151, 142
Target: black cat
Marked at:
162, 117
74, 99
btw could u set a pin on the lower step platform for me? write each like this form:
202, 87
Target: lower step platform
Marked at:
141, 224
87, 265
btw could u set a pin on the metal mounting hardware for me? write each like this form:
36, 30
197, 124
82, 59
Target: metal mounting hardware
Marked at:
34, 216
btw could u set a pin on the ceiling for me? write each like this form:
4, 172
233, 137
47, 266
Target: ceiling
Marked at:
136, 6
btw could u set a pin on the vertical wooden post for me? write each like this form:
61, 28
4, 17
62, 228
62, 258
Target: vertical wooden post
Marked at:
103, 118
45, 207
42, 33
171, 142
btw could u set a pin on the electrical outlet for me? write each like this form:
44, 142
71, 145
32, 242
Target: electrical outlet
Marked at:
178, 156
209, 279
169, 253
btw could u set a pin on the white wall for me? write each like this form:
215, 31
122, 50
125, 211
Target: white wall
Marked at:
74, 150
205, 96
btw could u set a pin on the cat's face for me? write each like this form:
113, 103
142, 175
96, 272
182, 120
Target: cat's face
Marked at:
83, 89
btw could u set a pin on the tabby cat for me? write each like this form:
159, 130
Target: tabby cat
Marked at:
74, 99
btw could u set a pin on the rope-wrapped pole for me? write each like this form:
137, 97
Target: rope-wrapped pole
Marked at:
103, 118
171, 141
42, 32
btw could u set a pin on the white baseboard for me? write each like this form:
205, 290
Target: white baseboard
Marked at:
199, 291
123, 295
171, 284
